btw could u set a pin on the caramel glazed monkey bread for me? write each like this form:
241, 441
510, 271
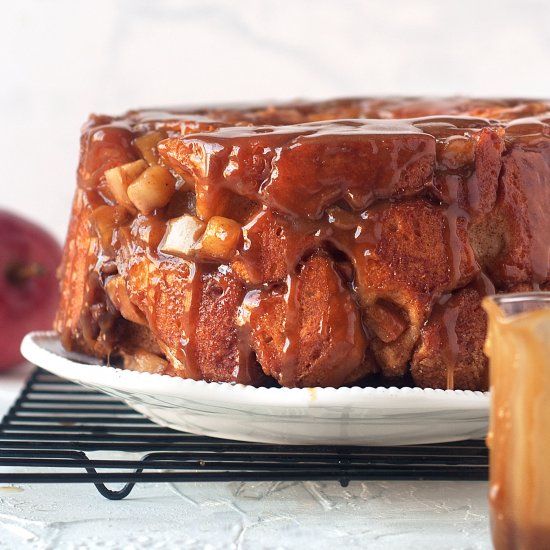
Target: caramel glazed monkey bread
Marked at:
306, 244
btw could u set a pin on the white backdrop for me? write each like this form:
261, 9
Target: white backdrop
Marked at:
61, 59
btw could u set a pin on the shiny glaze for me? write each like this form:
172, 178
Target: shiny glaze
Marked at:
342, 179
299, 170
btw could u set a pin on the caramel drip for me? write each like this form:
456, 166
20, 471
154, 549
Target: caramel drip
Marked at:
453, 244
450, 318
247, 364
187, 352
483, 285
444, 311
446, 314
538, 198
291, 347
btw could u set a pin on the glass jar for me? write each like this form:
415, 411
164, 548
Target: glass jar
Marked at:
518, 346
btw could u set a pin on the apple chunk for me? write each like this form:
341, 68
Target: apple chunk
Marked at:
152, 189
147, 145
145, 361
182, 235
119, 178
220, 238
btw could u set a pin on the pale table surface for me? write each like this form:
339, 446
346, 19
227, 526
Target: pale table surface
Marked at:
321, 515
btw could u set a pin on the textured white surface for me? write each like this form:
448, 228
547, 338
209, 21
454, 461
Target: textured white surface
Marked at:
60, 60
388, 515
385, 515
282, 515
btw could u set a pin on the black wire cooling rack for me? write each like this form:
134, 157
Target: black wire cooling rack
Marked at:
53, 431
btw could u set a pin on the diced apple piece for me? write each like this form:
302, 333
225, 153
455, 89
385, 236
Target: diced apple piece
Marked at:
118, 293
145, 361
182, 235
119, 178
220, 238
152, 189
107, 219
147, 146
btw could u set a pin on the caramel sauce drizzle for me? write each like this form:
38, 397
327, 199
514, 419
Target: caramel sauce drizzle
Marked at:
290, 161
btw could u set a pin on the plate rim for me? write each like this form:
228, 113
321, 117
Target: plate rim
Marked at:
129, 380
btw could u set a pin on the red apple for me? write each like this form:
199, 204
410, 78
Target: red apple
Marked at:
29, 291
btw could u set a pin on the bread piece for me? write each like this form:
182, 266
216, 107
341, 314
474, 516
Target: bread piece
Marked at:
311, 334
330, 240
222, 357
449, 353
419, 252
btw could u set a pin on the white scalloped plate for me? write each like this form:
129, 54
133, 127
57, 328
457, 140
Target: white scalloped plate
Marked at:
345, 416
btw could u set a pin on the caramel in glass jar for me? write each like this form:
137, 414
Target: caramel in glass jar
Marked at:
518, 346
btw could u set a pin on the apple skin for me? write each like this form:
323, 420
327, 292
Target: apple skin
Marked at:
29, 290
